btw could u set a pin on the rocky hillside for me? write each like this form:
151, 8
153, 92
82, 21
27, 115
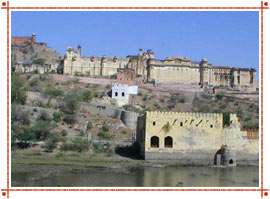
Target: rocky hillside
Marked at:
28, 53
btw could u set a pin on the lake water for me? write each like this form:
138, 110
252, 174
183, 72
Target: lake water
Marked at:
52, 176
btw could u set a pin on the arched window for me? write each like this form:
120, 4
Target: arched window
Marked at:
168, 142
154, 142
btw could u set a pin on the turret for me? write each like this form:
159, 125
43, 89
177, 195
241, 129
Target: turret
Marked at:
140, 52
33, 38
79, 49
203, 63
69, 53
150, 54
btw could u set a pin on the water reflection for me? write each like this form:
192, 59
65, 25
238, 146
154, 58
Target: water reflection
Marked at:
241, 176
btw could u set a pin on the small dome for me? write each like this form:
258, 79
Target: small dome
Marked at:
204, 59
69, 48
149, 51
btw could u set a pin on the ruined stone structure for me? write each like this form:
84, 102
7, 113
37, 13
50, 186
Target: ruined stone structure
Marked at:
195, 139
22, 40
126, 76
170, 70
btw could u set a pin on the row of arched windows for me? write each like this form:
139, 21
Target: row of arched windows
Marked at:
168, 142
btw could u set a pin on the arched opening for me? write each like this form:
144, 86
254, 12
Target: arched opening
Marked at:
154, 142
168, 142
231, 161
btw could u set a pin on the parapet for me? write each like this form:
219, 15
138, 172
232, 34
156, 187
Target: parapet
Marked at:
154, 114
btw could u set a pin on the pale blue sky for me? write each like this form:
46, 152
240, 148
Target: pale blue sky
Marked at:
229, 38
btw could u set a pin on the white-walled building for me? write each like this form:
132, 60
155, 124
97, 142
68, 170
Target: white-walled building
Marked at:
121, 93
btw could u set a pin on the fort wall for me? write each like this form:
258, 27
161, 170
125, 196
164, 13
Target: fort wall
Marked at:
195, 139
22, 40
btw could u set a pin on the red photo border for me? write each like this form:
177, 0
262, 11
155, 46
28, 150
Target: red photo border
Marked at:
5, 5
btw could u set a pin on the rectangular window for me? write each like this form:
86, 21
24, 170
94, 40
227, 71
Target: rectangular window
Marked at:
116, 94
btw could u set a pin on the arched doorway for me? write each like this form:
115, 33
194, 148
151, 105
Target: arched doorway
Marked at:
168, 142
154, 142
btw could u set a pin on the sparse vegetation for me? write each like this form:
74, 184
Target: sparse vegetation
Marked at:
77, 144
87, 96
64, 132
57, 116
167, 127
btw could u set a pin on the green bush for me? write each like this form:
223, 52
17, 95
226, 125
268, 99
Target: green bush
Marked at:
27, 134
89, 125
64, 132
34, 82
182, 100
251, 126
77, 144
87, 96
81, 133
42, 129
220, 95
44, 116
18, 94
226, 117
105, 127
53, 92
39, 61
57, 116
71, 102
69, 119
104, 135
101, 148
50, 145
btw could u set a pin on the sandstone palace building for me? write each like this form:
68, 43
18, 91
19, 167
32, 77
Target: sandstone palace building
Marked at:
169, 70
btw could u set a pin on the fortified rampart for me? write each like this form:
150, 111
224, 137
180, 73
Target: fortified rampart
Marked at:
22, 40
128, 118
194, 139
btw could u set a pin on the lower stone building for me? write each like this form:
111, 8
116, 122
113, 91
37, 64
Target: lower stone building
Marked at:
195, 139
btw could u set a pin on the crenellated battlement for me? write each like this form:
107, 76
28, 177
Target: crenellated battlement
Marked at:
154, 114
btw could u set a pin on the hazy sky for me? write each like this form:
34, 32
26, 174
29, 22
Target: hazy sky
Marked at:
228, 38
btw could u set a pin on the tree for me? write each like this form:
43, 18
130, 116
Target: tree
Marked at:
87, 96
39, 61
89, 125
57, 116
44, 115
18, 94
71, 102
42, 129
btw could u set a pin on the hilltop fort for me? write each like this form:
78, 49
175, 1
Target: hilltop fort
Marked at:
170, 70
144, 68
